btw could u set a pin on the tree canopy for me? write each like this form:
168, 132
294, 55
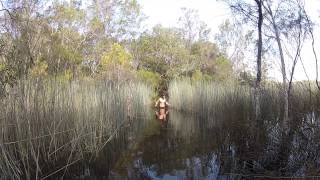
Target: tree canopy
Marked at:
72, 39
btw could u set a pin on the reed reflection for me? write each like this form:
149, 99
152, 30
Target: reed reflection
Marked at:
186, 146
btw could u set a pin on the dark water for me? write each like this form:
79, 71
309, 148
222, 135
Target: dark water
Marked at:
186, 146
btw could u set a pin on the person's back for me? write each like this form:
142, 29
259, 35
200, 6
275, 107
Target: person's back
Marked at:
162, 102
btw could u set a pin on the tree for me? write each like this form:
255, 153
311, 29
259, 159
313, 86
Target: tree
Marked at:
120, 19
192, 28
310, 27
278, 21
162, 51
252, 13
115, 62
234, 42
59, 37
21, 36
259, 57
283, 19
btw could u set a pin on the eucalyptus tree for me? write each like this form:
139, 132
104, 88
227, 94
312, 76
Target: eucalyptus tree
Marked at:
109, 22
286, 22
234, 42
20, 36
59, 37
65, 42
251, 12
310, 27
192, 28
281, 22
205, 59
162, 51
120, 19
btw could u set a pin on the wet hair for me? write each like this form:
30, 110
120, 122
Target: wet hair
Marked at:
162, 93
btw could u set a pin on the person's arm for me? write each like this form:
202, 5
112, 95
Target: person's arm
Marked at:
167, 103
156, 103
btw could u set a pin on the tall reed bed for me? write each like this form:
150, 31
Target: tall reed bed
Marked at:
209, 99
46, 126
221, 101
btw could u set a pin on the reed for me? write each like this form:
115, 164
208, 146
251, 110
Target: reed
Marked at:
48, 125
218, 101
209, 99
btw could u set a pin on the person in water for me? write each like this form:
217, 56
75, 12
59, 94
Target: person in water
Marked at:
162, 114
163, 103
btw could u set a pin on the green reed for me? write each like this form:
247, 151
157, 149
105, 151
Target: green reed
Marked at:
220, 101
48, 125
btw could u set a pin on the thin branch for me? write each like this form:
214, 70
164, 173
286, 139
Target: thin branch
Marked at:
310, 29
245, 12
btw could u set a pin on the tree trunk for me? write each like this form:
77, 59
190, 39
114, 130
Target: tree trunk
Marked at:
283, 70
297, 56
284, 76
259, 57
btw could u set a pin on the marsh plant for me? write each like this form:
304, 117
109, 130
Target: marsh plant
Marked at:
47, 126
216, 101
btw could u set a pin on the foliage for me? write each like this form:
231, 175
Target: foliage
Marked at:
116, 56
234, 42
161, 51
149, 77
39, 69
165, 51
119, 19
225, 68
191, 27
100, 39
197, 75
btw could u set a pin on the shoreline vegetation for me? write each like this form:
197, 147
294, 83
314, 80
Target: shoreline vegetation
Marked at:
218, 100
72, 74
48, 123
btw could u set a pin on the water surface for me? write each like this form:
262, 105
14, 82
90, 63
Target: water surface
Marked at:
187, 146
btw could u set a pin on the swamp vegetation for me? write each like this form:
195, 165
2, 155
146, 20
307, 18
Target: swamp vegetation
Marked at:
48, 123
78, 80
77, 130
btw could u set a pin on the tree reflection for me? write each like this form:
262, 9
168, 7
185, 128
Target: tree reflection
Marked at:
196, 147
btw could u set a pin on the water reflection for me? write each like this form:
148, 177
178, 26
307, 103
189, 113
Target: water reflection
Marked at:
161, 114
186, 146
189, 146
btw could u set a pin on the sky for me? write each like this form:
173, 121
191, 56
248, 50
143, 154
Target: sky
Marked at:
167, 12
213, 13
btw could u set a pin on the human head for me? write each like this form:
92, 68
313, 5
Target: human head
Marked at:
162, 94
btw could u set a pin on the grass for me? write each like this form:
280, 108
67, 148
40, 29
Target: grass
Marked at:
46, 126
49, 126
212, 100
225, 112
209, 99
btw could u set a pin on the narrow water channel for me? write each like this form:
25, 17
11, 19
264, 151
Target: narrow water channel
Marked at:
186, 146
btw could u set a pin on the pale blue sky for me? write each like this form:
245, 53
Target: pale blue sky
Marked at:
213, 13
